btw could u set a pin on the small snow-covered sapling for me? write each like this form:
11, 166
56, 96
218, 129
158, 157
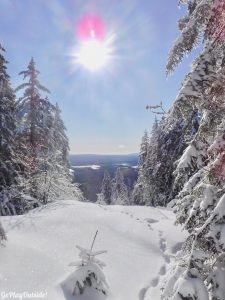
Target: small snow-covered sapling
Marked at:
89, 271
2, 235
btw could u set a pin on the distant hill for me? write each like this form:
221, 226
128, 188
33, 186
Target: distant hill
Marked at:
89, 170
103, 159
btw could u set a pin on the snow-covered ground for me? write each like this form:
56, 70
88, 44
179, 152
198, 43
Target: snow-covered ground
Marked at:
140, 244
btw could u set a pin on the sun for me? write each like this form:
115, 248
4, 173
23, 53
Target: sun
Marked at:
93, 54
95, 46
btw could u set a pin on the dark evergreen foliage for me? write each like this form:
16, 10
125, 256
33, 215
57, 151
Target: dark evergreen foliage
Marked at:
106, 188
199, 269
7, 127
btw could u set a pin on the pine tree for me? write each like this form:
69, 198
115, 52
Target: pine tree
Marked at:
106, 188
119, 189
11, 201
154, 131
199, 271
88, 273
3, 237
7, 126
59, 135
42, 143
55, 178
139, 191
167, 142
144, 149
31, 108
170, 145
191, 26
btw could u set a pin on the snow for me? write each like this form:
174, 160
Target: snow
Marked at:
190, 153
88, 273
190, 288
94, 167
140, 244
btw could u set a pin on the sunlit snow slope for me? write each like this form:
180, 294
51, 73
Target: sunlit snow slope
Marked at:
141, 242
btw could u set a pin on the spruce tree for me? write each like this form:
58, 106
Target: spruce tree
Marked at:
138, 197
167, 142
32, 142
119, 189
55, 177
11, 200
199, 269
106, 188
3, 237
169, 145
42, 143
144, 149
31, 107
59, 136
7, 126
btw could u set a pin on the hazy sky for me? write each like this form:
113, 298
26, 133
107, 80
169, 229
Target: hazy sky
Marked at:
104, 111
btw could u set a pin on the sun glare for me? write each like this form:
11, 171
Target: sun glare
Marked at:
93, 54
95, 47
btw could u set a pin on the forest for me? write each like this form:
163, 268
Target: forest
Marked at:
181, 181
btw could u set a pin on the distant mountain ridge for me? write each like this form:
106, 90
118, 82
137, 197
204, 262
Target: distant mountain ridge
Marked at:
103, 159
89, 170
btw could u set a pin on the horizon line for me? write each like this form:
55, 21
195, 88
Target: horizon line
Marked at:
130, 153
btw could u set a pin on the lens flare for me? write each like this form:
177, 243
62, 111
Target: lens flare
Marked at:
93, 55
94, 49
89, 27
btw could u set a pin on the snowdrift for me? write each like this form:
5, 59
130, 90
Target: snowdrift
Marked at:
140, 244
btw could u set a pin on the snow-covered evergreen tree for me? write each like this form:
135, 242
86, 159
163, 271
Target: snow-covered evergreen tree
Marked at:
144, 149
11, 201
165, 147
54, 177
61, 142
7, 126
138, 197
137, 193
2, 234
42, 143
199, 270
167, 142
106, 189
100, 199
119, 189
88, 273
31, 110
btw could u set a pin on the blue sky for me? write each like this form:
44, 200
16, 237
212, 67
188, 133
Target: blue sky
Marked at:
104, 111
